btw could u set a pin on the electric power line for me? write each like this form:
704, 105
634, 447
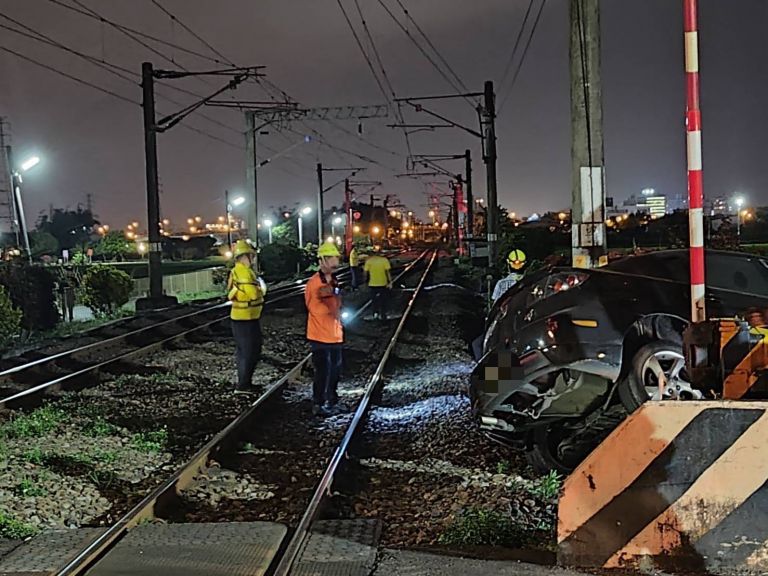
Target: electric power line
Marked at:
508, 67
397, 109
71, 77
424, 53
362, 50
192, 32
431, 45
522, 58
137, 32
109, 67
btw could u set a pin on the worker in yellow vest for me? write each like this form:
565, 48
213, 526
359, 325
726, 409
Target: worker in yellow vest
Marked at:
246, 291
378, 271
354, 267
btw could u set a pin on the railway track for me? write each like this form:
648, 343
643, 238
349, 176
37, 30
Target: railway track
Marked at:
164, 502
24, 380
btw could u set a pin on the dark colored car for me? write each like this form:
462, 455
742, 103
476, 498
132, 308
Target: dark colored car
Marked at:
569, 352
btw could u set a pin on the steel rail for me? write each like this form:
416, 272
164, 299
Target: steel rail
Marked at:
55, 384
183, 477
302, 532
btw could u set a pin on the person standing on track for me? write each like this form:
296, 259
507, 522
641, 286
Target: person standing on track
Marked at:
246, 291
378, 270
324, 330
354, 267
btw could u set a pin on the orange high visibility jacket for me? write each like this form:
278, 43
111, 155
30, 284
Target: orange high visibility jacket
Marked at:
324, 310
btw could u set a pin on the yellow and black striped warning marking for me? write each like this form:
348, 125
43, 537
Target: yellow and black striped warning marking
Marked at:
743, 358
682, 483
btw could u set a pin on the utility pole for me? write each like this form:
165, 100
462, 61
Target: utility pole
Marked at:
348, 209
456, 233
320, 203
251, 139
153, 196
588, 174
489, 121
469, 199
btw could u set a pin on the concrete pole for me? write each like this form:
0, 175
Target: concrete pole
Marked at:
153, 195
319, 203
588, 174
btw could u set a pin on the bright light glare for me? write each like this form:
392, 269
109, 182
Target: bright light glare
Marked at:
329, 239
228, 254
238, 201
268, 223
739, 201
306, 210
337, 220
30, 163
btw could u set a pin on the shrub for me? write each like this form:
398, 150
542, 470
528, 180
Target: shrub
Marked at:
32, 290
105, 290
279, 261
479, 526
10, 320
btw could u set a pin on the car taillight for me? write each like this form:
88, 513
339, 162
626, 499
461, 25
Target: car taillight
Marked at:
566, 281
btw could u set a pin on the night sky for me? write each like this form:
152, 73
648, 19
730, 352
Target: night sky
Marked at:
91, 142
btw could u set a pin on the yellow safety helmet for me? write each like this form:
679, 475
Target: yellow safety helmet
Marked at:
243, 247
516, 259
328, 249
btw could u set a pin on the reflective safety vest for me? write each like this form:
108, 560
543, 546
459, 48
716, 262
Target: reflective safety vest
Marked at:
246, 292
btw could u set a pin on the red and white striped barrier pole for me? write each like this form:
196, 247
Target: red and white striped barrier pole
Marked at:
695, 179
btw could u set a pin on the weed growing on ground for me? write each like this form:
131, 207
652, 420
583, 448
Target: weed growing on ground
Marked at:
105, 456
479, 526
80, 458
504, 467
28, 488
14, 529
102, 478
152, 441
99, 427
34, 456
547, 487
36, 423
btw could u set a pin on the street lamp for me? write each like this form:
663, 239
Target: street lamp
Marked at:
335, 222
303, 212
237, 201
739, 204
268, 223
29, 163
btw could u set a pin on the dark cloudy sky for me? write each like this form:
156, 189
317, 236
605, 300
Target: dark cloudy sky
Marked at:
92, 142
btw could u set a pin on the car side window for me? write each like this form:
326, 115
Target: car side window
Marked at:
747, 275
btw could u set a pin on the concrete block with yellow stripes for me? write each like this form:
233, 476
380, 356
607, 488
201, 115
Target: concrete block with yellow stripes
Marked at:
678, 485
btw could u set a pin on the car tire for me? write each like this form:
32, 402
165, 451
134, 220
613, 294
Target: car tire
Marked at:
633, 390
542, 454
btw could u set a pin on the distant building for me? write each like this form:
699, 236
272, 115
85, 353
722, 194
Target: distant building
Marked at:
719, 206
649, 203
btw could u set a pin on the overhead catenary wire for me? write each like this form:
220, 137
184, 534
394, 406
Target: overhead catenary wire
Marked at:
429, 58
174, 18
523, 57
396, 108
137, 32
70, 76
111, 68
432, 46
516, 46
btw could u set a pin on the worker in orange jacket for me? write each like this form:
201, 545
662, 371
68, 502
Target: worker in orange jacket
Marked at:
324, 330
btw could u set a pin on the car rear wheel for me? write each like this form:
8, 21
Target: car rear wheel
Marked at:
654, 362
543, 455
